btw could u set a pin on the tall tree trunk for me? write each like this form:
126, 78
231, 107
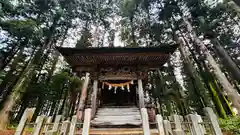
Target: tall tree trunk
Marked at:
134, 44
161, 90
219, 100
73, 100
38, 108
6, 58
53, 107
177, 96
111, 37
28, 74
23, 106
9, 76
21, 85
5, 112
227, 60
227, 87
14, 81
149, 26
63, 103
56, 56
198, 86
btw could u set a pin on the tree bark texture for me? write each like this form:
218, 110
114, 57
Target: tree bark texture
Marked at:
227, 87
227, 60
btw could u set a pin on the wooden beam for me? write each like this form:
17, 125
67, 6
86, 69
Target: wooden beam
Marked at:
94, 97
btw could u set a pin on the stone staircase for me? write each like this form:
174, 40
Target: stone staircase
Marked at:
117, 116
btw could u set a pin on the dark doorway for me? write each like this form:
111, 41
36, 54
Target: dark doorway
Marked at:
119, 97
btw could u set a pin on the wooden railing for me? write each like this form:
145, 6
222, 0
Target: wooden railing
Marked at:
191, 124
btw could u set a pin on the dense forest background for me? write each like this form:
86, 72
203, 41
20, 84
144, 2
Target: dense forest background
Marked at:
204, 71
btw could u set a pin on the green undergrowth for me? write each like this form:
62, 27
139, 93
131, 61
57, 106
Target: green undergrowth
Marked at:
230, 124
14, 127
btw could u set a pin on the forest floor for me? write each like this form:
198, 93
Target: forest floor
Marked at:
7, 132
10, 132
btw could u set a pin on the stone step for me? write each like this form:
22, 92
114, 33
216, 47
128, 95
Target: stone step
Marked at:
116, 118
116, 123
119, 107
117, 114
114, 110
118, 131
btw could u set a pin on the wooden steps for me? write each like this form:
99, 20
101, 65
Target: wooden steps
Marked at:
118, 131
116, 116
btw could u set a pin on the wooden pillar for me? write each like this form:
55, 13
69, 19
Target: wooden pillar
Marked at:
83, 98
27, 116
38, 128
86, 123
140, 94
178, 126
213, 119
94, 98
144, 114
55, 126
37, 119
195, 126
46, 127
168, 127
64, 127
72, 125
56, 122
200, 120
145, 123
159, 120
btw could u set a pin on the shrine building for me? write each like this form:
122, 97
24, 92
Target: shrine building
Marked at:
115, 79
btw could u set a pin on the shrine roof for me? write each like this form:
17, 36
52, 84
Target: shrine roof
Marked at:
77, 57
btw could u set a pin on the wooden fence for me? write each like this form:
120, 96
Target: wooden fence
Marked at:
191, 124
